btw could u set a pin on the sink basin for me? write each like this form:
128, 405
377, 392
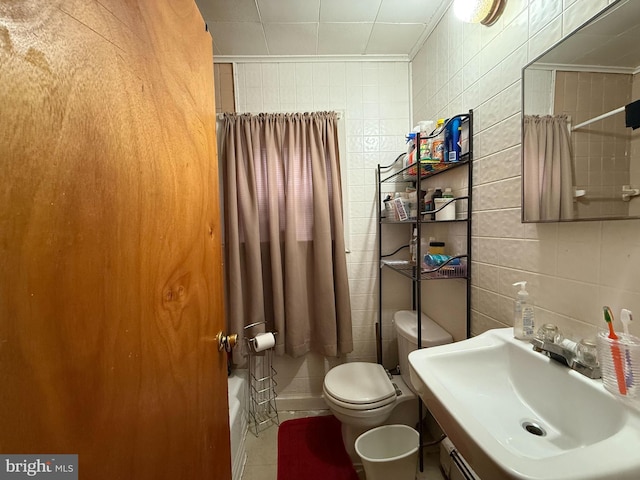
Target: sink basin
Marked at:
515, 413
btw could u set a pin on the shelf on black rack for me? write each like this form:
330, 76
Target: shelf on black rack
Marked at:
445, 271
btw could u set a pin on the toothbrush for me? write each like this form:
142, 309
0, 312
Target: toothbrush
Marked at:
615, 351
626, 316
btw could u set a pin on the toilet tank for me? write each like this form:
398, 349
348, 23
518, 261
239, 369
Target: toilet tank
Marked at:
406, 323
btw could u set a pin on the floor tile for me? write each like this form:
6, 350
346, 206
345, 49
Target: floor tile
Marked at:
262, 452
260, 472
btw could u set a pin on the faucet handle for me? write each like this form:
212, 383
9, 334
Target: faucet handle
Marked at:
548, 332
587, 353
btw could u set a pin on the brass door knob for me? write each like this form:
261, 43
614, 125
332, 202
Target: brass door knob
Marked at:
226, 342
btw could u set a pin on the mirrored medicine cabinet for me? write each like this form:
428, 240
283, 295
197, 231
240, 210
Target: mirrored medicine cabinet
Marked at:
579, 159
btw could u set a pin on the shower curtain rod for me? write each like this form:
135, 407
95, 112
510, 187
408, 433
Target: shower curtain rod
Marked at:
220, 116
600, 117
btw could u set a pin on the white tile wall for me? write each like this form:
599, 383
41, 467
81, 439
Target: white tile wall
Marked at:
374, 100
573, 269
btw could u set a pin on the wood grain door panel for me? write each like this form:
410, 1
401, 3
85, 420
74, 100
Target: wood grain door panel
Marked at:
110, 247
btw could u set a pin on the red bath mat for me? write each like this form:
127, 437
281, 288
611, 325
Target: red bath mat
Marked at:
311, 449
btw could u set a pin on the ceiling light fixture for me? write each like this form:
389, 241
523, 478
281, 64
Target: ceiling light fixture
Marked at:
485, 12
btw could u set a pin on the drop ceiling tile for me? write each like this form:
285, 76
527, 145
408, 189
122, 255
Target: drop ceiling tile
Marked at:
406, 11
239, 38
291, 38
343, 38
229, 10
390, 38
349, 10
249, 40
294, 11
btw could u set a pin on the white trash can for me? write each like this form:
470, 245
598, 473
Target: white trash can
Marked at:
389, 451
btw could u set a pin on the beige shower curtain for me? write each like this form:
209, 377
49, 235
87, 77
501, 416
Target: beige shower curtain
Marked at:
284, 234
548, 173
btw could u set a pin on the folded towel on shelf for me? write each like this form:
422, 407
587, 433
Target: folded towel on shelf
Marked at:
632, 114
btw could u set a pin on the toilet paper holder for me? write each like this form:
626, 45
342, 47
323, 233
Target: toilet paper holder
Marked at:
261, 341
261, 405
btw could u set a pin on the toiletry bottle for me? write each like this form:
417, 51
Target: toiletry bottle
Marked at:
421, 203
412, 200
437, 193
428, 203
452, 140
447, 204
410, 157
387, 209
433, 249
426, 126
464, 138
399, 208
435, 256
437, 144
436, 248
413, 247
448, 195
424, 247
523, 321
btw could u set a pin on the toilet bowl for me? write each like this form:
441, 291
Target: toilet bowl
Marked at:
363, 396
359, 393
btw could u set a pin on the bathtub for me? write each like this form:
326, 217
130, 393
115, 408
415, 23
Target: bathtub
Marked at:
237, 421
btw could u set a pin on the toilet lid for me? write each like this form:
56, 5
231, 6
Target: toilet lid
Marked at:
359, 383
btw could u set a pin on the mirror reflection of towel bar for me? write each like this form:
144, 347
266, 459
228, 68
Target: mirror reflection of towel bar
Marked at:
628, 191
600, 117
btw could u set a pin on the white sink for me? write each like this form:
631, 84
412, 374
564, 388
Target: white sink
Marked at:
484, 392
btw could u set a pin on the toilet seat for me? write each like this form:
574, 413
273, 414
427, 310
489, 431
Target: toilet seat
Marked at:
358, 406
359, 386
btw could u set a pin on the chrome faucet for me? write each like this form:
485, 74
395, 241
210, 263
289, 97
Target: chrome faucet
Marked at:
568, 353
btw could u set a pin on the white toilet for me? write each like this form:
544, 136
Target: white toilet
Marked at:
362, 396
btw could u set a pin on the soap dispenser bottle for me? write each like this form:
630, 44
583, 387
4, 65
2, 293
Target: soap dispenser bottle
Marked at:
523, 321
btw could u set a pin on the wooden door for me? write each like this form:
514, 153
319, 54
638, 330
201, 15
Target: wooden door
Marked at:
110, 248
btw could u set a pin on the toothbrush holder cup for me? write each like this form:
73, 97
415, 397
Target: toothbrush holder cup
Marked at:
620, 364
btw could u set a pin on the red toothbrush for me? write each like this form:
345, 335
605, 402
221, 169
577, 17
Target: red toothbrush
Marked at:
615, 352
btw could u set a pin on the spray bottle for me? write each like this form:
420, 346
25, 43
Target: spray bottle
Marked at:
523, 321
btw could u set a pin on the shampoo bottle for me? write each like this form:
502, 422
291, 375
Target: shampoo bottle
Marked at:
452, 140
523, 321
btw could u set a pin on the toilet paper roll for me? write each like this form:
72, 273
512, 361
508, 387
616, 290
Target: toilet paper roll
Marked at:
263, 341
